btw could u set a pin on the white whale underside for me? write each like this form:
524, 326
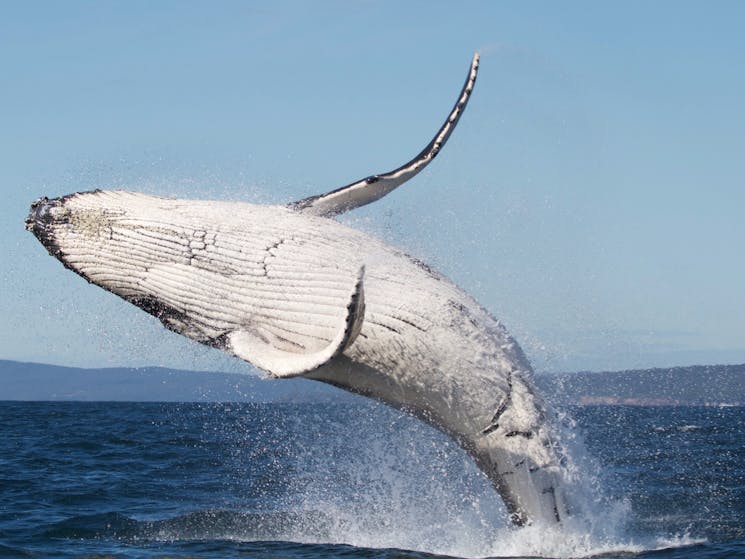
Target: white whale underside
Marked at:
296, 293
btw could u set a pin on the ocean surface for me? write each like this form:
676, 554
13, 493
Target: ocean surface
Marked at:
349, 480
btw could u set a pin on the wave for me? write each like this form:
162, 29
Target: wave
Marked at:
8, 551
313, 528
677, 428
199, 525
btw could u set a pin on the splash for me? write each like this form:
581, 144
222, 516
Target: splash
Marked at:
371, 477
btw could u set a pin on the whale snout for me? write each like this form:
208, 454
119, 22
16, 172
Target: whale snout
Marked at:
39, 213
44, 211
43, 215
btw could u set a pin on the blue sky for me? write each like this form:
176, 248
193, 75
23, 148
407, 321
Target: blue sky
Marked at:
592, 196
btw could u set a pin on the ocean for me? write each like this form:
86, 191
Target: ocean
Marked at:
359, 480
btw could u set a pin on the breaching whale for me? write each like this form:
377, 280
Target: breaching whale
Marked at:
296, 293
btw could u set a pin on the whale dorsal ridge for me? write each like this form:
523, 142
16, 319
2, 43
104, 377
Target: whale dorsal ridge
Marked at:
265, 351
375, 187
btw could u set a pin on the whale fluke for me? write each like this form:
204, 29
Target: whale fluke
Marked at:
374, 187
283, 357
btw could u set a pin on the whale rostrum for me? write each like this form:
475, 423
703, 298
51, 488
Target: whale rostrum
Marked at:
294, 292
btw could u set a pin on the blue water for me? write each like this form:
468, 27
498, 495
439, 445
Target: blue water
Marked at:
320, 480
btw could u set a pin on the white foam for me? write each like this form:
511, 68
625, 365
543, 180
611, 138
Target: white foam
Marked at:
414, 489
404, 485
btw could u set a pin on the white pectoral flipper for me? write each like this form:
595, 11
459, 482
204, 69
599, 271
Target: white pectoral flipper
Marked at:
375, 187
284, 357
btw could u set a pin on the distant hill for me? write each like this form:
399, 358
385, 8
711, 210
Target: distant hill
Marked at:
34, 381
696, 385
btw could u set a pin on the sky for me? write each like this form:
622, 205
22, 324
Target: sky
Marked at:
592, 196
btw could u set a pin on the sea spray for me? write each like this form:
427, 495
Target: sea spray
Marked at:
372, 477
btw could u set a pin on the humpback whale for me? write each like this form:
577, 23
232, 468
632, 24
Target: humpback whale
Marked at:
294, 292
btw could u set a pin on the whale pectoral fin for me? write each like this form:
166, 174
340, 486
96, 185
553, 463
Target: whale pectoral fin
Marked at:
282, 358
375, 187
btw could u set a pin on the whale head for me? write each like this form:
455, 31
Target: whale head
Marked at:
143, 249
213, 271
102, 237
